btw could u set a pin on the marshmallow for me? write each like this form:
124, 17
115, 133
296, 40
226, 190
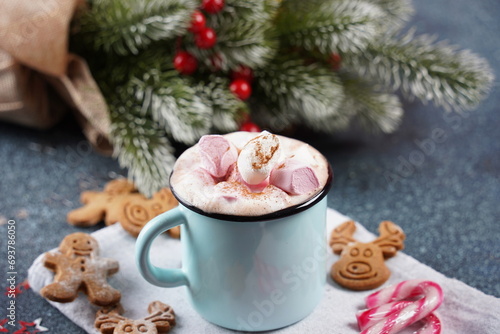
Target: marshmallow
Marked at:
233, 196
258, 157
235, 176
217, 155
294, 177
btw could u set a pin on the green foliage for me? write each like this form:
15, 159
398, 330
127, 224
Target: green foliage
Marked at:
396, 12
427, 70
127, 26
244, 35
297, 92
329, 26
227, 109
130, 45
371, 108
140, 145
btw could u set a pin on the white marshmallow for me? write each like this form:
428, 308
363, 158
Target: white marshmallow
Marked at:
258, 157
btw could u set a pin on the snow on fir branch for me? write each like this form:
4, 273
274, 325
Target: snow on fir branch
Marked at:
227, 109
370, 106
141, 146
127, 26
428, 70
243, 35
396, 12
299, 90
329, 26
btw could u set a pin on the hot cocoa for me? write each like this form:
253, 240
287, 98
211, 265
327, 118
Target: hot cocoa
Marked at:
248, 174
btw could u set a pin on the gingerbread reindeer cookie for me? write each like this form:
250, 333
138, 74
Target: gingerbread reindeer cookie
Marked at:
78, 267
136, 212
361, 265
105, 205
160, 320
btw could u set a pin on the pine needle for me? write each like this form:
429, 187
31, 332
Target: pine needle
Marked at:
141, 147
127, 26
306, 93
244, 35
422, 68
372, 109
329, 26
226, 107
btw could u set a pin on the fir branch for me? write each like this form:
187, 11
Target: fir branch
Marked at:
244, 35
430, 71
370, 108
171, 101
127, 26
270, 115
396, 13
226, 107
329, 26
141, 146
306, 93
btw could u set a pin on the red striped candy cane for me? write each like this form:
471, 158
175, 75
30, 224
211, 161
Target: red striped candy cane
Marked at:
389, 311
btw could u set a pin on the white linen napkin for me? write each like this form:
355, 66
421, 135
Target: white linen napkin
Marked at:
464, 310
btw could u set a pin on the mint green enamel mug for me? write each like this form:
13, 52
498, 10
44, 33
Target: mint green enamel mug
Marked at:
248, 273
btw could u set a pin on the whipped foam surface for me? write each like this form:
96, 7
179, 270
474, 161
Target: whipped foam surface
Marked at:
230, 195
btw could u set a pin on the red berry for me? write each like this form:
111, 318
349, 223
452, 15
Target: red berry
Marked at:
205, 38
185, 63
243, 72
197, 21
241, 89
212, 6
250, 127
335, 61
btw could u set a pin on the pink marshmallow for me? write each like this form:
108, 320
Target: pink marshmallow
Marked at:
217, 155
294, 177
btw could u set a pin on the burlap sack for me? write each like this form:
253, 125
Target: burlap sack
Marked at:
38, 74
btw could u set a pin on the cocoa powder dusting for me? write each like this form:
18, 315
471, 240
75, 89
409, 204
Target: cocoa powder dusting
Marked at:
262, 157
236, 187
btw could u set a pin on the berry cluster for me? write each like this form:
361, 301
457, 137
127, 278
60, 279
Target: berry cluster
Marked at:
205, 38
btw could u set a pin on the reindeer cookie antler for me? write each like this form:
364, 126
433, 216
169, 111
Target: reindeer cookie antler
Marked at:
361, 265
160, 320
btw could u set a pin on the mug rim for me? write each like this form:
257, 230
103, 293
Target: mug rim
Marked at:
289, 211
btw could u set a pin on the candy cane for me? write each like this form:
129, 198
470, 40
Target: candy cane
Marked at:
388, 312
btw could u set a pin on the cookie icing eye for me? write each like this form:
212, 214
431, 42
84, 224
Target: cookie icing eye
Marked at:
354, 251
142, 328
368, 253
128, 328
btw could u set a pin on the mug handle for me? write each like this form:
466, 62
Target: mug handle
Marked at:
163, 277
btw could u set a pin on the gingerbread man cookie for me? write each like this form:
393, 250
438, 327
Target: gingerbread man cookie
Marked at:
78, 267
120, 202
160, 320
361, 265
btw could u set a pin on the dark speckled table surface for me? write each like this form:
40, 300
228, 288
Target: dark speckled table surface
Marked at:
438, 177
